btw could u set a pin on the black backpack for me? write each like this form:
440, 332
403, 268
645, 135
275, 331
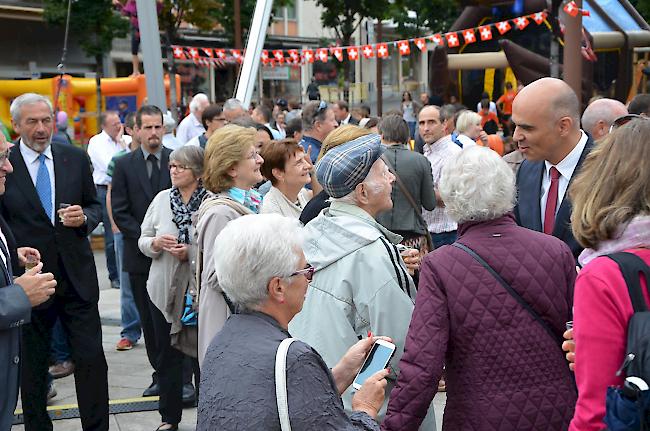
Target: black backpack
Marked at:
627, 408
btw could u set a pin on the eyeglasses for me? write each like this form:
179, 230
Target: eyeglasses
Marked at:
308, 272
623, 120
179, 168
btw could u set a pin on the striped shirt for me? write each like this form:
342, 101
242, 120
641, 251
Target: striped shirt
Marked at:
438, 154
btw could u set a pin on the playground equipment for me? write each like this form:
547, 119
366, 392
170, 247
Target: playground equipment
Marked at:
78, 97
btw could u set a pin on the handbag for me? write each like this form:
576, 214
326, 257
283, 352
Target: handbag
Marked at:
281, 383
556, 337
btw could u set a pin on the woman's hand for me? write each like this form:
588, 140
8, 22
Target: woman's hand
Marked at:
569, 346
412, 260
371, 395
179, 251
349, 365
163, 242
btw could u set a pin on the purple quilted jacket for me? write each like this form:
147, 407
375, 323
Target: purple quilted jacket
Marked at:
504, 371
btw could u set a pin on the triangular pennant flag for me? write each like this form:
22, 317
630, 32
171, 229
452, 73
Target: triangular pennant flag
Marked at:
321, 54
539, 17
337, 51
503, 27
265, 56
403, 47
178, 52
367, 51
293, 54
208, 52
521, 22
469, 36
485, 32
353, 53
421, 43
236, 53
194, 53
221, 53
452, 40
308, 55
382, 50
437, 39
278, 55
571, 8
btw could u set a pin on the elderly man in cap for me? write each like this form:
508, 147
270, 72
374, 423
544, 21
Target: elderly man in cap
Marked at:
361, 283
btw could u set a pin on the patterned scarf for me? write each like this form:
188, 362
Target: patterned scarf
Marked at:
183, 213
248, 198
633, 235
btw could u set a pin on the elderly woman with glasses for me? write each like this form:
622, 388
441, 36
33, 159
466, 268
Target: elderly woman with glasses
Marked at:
261, 267
167, 238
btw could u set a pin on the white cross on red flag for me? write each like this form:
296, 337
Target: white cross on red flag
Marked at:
265, 56
194, 53
293, 54
237, 54
221, 53
452, 40
178, 52
437, 39
208, 52
367, 51
521, 22
571, 8
353, 53
321, 54
337, 52
404, 47
539, 17
308, 55
278, 55
503, 27
469, 36
382, 50
485, 32
421, 43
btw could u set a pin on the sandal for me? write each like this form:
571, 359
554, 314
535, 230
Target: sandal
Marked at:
165, 424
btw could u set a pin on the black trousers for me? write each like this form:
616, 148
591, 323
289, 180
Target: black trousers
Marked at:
144, 306
82, 325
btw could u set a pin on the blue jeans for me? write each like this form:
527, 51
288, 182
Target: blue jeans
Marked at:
412, 125
59, 347
443, 238
108, 236
130, 318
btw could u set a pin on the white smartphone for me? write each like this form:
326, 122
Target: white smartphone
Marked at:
377, 360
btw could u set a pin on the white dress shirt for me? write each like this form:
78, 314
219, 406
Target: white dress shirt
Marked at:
566, 168
189, 128
31, 160
346, 120
101, 149
492, 108
170, 141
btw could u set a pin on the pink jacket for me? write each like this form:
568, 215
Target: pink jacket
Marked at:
602, 309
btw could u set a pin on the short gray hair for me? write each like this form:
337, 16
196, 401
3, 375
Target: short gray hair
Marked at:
196, 100
191, 156
477, 185
232, 105
393, 128
169, 122
27, 99
251, 251
466, 119
601, 110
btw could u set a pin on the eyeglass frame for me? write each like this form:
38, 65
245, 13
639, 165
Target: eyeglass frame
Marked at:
307, 272
179, 168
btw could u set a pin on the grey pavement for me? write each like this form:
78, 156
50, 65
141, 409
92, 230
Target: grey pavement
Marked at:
129, 372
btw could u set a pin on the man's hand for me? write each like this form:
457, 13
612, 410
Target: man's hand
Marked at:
411, 259
24, 253
371, 395
72, 216
164, 242
179, 251
37, 287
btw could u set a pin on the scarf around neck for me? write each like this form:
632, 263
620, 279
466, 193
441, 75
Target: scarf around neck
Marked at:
183, 212
248, 198
633, 235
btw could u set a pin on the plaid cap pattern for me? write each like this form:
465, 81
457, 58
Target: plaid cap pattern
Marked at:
344, 167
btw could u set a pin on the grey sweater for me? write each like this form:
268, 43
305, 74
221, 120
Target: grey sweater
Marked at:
238, 384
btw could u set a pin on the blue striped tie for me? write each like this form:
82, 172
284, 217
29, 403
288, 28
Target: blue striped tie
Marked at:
43, 186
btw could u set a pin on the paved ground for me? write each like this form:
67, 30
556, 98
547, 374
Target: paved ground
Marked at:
129, 373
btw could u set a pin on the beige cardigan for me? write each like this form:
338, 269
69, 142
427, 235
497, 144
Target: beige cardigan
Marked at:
275, 202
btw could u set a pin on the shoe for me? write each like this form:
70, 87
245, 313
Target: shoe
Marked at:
115, 284
124, 344
167, 427
189, 394
62, 369
51, 391
152, 391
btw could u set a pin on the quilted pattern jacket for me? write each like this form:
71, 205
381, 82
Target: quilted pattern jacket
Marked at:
504, 371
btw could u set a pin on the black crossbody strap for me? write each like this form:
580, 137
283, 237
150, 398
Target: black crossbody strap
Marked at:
511, 291
631, 266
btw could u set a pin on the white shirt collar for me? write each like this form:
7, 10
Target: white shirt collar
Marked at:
30, 155
195, 121
347, 119
569, 163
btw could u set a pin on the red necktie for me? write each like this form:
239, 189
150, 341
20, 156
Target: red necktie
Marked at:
551, 202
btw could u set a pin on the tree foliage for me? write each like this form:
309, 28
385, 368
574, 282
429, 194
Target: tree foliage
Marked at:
426, 16
224, 15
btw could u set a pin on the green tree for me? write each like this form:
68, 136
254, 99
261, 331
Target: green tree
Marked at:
94, 24
225, 15
418, 16
643, 7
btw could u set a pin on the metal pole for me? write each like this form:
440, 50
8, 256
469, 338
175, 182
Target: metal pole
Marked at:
572, 56
256, 36
151, 53
380, 87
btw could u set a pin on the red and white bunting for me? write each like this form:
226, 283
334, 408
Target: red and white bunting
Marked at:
278, 55
353, 53
294, 55
308, 55
485, 32
521, 22
337, 52
194, 53
504, 27
178, 52
571, 8
321, 54
538, 17
404, 47
382, 50
421, 43
236, 53
452, 40
469, 36
208, 51
265, 56
368, 51
437, 39
221, 53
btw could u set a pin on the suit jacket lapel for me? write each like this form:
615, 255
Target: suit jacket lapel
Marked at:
142, 173
11, 244
24, 182
530, 191
165, 179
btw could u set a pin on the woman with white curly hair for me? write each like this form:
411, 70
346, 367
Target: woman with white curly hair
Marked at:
492, 308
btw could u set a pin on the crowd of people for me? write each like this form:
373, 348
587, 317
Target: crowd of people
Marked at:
248, 227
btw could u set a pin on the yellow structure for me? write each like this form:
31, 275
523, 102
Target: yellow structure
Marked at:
76, 95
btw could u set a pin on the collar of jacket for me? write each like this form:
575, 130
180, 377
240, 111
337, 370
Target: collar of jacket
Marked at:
504, 220
342, 208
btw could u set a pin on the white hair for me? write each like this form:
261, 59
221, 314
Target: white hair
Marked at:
169, 122
251, 251
27, 99
466, 119
196, 101
370, 181
232, 105
477, 185
606, 110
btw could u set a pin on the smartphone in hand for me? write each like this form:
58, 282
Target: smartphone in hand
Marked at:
378, 358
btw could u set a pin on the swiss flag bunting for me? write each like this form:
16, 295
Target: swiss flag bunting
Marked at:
538, 17
403, 47
504, 27
308, 55
265, 56
321, 54
353, 53
368, 51
194, 53
452, 40
337, 52
521, 22
421, 43
293, 54
485, 32
237, 54
178, 52
382, 50
469, 36
571, 8
221, 53
208, 52
278, 55
437, 39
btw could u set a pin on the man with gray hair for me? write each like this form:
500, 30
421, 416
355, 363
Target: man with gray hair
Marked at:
233, 109
191, 125
599, 116
317, 122
361, 283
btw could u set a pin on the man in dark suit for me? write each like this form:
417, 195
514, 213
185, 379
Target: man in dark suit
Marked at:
342, 113
17, 297
46, 177
137, 179
546, 115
